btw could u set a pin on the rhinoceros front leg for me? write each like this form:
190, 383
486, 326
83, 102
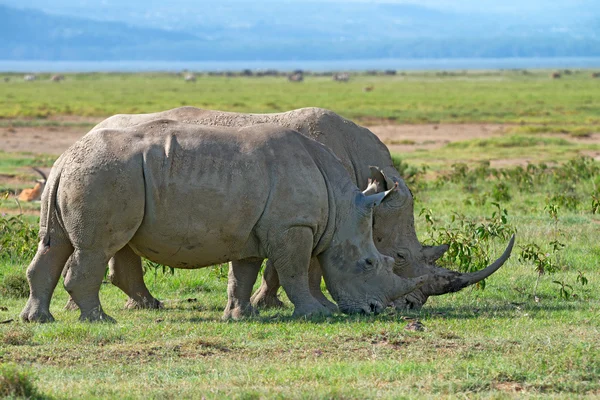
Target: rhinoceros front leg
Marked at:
242, 275
266, 295
291, 255
43, 274
314, 282
411, 301
126, 273
83, 278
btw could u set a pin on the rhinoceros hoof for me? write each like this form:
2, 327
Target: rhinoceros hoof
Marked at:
96, 315
409, 302
329, 305
71, 305
237, 313
311, 311
263, 300
148, 304
29, 315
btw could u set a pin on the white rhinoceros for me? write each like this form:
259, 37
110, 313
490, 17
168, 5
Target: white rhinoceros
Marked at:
190, 196
358, 149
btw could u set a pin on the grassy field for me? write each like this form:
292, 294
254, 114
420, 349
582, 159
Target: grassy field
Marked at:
524, 335
494, 96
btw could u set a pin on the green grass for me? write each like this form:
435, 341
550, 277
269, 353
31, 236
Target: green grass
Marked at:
509, 147
492, 343
574, 131
486, 96
495, 343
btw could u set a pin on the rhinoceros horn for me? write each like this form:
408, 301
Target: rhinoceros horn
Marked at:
402, 286
447, 281
434, 253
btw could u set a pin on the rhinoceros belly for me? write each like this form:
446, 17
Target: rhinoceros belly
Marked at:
193, 233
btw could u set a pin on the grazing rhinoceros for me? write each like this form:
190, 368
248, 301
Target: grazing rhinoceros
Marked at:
189, 196
358, 149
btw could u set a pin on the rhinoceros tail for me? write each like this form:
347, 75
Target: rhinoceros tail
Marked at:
46, 219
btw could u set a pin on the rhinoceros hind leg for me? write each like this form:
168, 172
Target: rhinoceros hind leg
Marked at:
43, 274
291, 258
314, 282
126, 273
266, 295
71, 305
242, 275
85, 271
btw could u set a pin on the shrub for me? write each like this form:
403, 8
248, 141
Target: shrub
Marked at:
18, 239
15, 382
14, 285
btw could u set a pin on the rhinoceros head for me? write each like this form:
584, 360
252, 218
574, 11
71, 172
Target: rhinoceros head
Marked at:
395, 236
360, 278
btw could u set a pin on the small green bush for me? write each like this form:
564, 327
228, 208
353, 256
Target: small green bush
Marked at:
15, 382
18, 238
14, 285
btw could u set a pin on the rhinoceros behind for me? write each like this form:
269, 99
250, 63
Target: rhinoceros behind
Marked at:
191, 196
358, 149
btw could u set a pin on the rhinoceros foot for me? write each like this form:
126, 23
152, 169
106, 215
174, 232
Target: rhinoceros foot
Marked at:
33, 313
411, 301
239, 312
313, 309
71, 305
144, 303
96, 315
328, 304
265, 298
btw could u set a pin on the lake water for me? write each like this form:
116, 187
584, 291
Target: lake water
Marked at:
317, 66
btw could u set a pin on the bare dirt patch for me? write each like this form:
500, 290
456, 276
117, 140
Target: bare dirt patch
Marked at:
40, 139
407, 138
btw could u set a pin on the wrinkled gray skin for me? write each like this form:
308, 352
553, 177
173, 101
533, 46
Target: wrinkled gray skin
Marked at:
358, 149
192, 196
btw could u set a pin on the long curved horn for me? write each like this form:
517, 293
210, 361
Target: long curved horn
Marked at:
446, 281
41, 173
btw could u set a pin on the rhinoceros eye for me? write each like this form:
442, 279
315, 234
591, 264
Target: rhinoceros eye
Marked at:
400, 256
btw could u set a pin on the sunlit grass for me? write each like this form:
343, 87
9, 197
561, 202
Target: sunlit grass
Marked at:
500, 96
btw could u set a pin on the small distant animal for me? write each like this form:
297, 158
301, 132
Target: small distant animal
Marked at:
595, 74
368, 88
296, 77
341, 77
57, 78
555, 75
190, 78
35, 193
6, 79
30, 77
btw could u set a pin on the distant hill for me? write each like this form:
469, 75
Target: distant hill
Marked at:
284, 30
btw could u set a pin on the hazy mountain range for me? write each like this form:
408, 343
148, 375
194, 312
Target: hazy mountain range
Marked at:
189, 30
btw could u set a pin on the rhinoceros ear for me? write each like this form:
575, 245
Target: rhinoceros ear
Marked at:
372, 187
374, 200
377, 175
